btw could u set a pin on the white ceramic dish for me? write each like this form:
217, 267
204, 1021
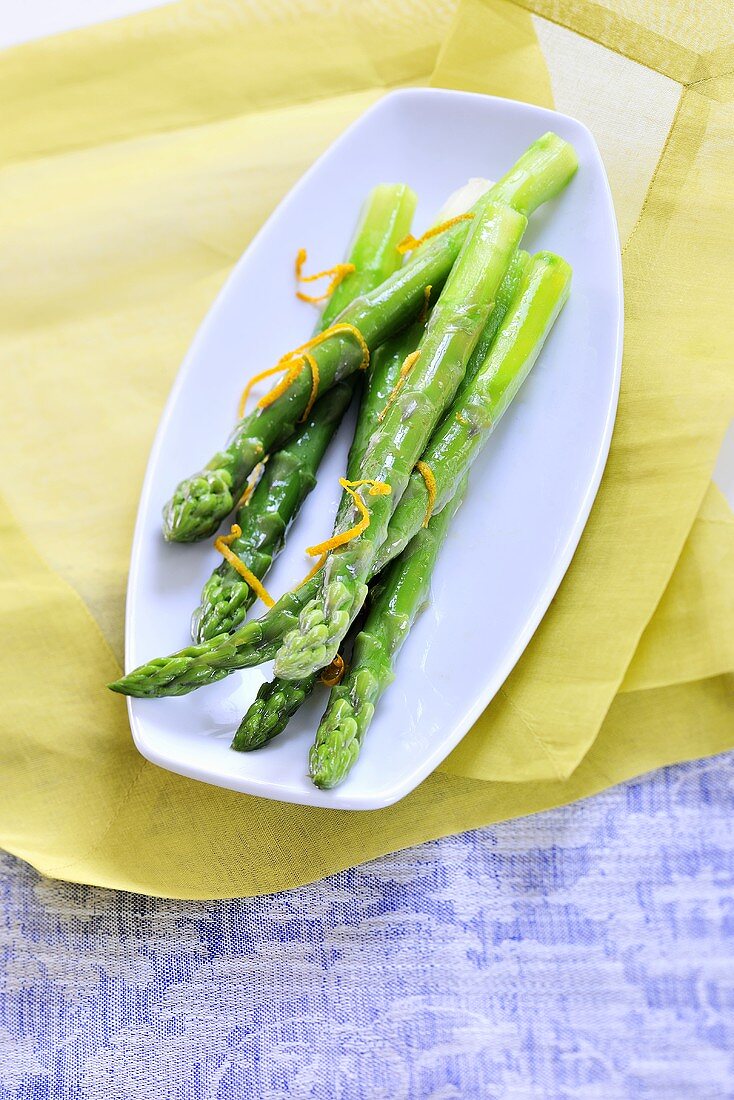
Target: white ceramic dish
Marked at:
530, 492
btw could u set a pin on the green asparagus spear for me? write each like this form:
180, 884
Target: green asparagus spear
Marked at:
454, 327
463, 432
201, 502
505, 294
194, 666
274, 705
402, 595
291, 472
278, 699
539, 298
259, 639
289, 477
384, 221
352, 703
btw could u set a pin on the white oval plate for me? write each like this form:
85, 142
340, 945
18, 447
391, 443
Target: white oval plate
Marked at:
530, 491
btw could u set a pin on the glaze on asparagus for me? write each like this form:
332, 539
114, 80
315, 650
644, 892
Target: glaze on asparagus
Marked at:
201, 502
278, 700
402, 594
290, 474
478, 408
455, 443
454, 327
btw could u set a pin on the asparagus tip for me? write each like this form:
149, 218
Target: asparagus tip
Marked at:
269, 713
251, 733
337, 744
198, 506
304, 649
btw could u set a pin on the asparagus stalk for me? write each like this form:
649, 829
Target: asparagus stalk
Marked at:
538, 300
256, 641
505, 294
402, 595
454, 327
543, 290
201, 502
289, 477
384, 221
278, 700
271, 710
464, 431
291, 472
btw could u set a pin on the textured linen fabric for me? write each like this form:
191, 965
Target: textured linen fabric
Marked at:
125, 203
587, 953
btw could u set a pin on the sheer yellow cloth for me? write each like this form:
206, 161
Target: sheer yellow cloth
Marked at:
138, 158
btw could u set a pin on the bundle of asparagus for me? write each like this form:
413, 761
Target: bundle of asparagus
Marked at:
291, 472
450, 337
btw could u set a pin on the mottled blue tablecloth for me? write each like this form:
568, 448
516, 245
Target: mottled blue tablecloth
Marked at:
586, 952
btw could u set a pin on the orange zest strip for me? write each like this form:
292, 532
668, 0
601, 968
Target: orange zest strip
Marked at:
338, 273
252, 483
314, 385
377, 489
409, 243
253, 382
312, 572
293, 363
408, 364
428, 476
222, 545
292, 370
342, 328
333, 674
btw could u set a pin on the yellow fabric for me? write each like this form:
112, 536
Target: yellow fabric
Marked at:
676, 400
138, 158
691, 634
627, 106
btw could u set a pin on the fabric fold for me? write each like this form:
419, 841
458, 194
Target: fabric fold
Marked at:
140, 158
676, 400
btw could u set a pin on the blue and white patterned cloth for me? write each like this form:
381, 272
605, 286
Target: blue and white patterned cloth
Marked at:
585, 952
